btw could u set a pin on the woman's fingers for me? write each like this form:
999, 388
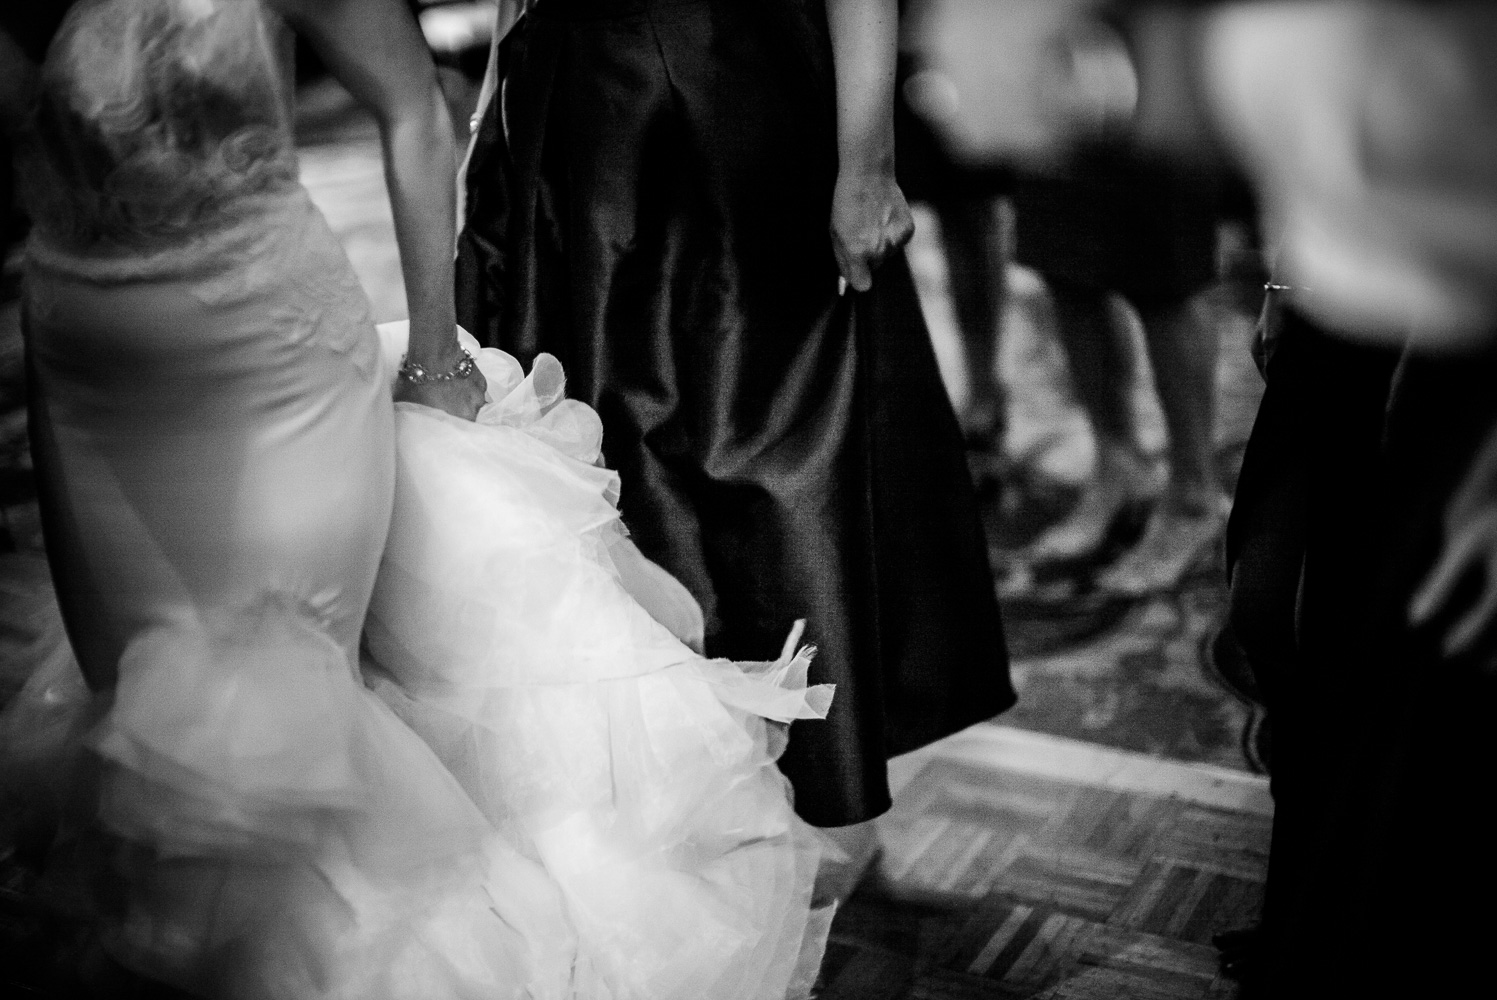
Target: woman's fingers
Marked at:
1435, 590
1464, 634
870, 221
858, 274
459, 397
901, 228
856, 266
1473, 547
1464, 549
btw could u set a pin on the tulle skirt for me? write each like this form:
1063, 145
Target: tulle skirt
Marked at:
529, 786
550, 665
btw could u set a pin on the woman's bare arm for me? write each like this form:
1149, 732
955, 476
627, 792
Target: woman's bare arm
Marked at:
375, 49
869, 216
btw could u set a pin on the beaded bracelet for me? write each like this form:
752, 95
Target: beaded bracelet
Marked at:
417, 375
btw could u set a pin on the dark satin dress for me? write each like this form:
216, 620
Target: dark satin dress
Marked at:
651, 205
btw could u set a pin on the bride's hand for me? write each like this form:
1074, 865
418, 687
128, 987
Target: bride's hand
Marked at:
870, 220
460, 397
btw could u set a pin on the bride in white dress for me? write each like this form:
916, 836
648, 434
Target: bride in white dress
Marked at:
566, 801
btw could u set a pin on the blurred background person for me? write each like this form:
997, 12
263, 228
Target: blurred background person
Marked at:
967, 201
1363, 546
1106, 224
1395, 247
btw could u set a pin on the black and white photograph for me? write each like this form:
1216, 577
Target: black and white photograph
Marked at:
748, 499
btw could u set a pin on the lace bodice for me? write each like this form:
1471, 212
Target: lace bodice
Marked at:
158, 117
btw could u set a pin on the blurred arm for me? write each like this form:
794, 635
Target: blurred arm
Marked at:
1369, 129
1466, 621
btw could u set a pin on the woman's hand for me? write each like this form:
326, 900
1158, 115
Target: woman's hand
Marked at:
870, 220
461, 397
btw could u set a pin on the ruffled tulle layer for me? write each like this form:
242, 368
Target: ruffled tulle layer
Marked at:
242, 818
510, 629
539, 789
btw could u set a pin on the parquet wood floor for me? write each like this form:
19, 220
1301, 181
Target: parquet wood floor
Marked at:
995, 882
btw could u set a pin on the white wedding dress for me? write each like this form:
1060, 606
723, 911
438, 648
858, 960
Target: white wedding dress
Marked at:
526, 785
606, 821
509, 627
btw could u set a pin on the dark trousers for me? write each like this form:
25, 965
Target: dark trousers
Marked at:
1383, 748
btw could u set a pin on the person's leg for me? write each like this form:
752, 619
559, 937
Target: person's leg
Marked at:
1182, 346
972, 234
1098, 350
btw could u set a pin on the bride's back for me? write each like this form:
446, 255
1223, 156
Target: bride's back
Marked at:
156, 117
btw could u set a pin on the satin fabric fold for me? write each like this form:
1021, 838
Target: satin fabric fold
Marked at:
648, 201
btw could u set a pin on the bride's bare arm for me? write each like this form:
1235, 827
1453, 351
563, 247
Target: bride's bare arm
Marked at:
375, 49
869, 216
